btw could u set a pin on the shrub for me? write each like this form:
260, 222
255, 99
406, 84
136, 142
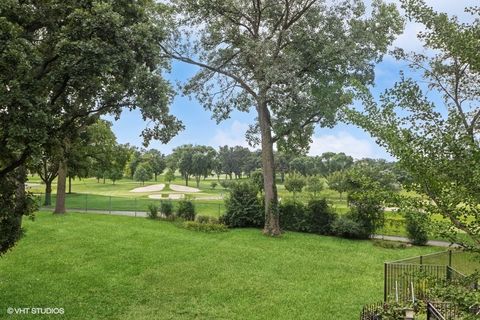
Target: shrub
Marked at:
206, 219
321, 216
152, 211
257, 179
213, 185
205, 227
243, 207
226, 184
367, 210
417, 227
294, 217
186, 210
166, 208
346, 227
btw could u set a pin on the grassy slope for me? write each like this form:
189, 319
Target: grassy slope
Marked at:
111, 267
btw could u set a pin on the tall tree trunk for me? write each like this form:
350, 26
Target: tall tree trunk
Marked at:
69, 184
272, 223
61, 186
48, 193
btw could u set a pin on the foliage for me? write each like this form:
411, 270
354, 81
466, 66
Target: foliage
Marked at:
66, 63
321, 216
243, 207
257, 179
461, 294
338, 181
417, 224
294, 184
314, 185
143, 173
436, 143
226, 184
169, 176
156, 160
277, 57
346, 227
186, 210
213, 185
14, 203
152, 211
166, 208
294, 216
367, 210
205, 226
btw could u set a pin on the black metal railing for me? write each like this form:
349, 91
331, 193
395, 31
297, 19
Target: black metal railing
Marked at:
442, 311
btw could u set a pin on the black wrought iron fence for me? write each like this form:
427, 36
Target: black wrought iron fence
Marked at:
84, 202
442, 311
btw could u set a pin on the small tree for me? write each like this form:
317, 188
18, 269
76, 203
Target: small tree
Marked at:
417, 226
169, 176
294, 184
338, 181
143, 173
314, 185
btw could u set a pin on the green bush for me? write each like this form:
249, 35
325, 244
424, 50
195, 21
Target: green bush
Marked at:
321, 216
226, 184
243, 207
206, 219
205, 227
367, 210
186, 210
417, 227
346, 227
166, 208
294, 217
152, 212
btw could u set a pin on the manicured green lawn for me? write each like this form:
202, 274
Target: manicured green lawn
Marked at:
114, 267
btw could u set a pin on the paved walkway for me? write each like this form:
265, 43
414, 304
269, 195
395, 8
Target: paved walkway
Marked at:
433, 243
143, 214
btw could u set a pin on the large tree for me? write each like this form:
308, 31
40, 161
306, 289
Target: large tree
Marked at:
293, 61
436, 142
62, 62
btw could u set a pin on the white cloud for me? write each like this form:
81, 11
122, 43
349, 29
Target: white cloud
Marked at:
232, 136
347, 143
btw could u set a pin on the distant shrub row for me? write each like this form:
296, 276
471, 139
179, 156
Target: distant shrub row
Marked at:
245, 209
185, 210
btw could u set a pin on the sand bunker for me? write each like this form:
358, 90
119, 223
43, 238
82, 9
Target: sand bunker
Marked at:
154, 188
176, 187
172, 196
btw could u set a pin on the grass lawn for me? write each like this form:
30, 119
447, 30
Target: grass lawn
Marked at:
114, 267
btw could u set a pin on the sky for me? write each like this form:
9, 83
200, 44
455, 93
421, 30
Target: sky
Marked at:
201, 129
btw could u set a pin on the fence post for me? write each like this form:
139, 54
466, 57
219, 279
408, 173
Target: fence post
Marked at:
449, 258
384, 282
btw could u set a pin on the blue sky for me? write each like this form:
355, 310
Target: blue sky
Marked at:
201, 129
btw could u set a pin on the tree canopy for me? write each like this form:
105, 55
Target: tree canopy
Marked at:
294, 62
436, 143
